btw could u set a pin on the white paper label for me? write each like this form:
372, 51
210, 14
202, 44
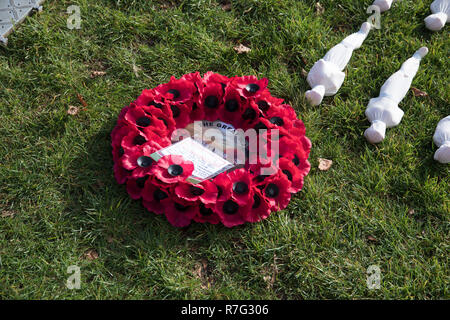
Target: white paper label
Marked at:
207, 164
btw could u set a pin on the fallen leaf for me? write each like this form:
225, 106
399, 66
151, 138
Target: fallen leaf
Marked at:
80, 97
226, 7
110, 239
96, 74
372, 239
325, 164
411, 212
73, 110
136, 70
304, 73
418, 93
91, 255
7, 213
319, 8
242, 49
201, 272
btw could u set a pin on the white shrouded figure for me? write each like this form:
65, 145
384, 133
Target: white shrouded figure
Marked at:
383, 112
442, 139
326, 76
440, 16
384, 5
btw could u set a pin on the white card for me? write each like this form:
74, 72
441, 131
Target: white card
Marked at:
207, 164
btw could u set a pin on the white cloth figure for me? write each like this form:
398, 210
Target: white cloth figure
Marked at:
383, 112
440, 16
442, 139
326, 76
384, 5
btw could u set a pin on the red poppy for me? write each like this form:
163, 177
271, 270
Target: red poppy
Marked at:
249, 86
162, 114
266, 101
146, 97
205, 191
231, 213
206, 214
180, 212
216, 77
276, 191
242, 188
173, 169
155, 197
195, 78
224, 185
135, 187
210, 100
176, 90
120, 173
260, 208
132, 158
180, 112
138, 117
293, 173
231, 109
250, 115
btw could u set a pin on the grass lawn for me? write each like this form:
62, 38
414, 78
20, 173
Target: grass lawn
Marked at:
385, 205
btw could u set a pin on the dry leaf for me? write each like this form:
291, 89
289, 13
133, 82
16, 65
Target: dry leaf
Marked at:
110, 239
304, 73
73, 110
411, 212
226, 7
80, 97
325, 164
418, 93
242, 49
96, 74
319, 8
372, 239
201, 272
7, 213
91, 255
136, 70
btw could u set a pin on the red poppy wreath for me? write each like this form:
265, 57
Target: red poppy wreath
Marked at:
233, 197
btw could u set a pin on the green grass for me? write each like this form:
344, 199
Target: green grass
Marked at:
56, 169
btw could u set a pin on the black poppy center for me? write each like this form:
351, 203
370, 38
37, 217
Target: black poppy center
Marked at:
140, 182
139, 140
211, 102
196, 191
219, 191
260, 126
277, 121
180, 207
144, 161
296, 160
272, 190
175, 111
240, 187
159, 195
288, 174
256, 201
252, 87
263, 105
155, 104
175, 93
121, 151
204, 211
230, 207
175, 170
232, 105
143, 121
249, 114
